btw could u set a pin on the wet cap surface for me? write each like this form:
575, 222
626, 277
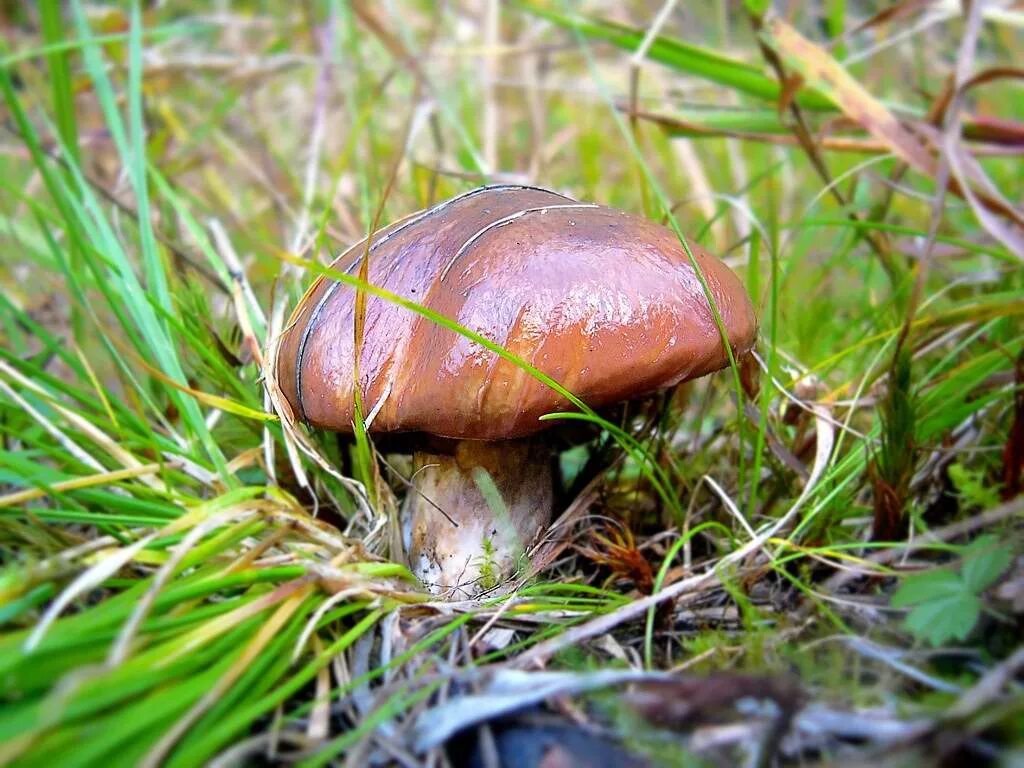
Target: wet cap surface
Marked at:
604, 302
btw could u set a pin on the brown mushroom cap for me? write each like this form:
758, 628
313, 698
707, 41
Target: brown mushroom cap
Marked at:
605, 303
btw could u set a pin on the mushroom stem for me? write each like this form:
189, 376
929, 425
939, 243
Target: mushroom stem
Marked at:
470, 515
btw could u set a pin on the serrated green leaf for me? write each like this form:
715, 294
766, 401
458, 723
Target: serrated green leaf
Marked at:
947, 618
984, 561
936, 584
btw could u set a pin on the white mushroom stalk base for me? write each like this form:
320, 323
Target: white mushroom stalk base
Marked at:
470, 516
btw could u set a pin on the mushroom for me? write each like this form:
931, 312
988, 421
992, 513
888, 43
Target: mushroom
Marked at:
606, 303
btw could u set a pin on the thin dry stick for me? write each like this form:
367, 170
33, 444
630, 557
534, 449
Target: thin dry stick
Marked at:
988, 688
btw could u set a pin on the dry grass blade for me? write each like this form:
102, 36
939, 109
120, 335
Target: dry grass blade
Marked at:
86, 427
297, 441
78, 483
88, 579
69, 445
820, 70
119, 651
294, 594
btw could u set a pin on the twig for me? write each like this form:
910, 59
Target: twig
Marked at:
858, 144
988, 688
950, 130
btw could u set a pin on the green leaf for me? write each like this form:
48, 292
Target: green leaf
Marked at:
757, 7
984, 561
944, 604
937, 584
946, 618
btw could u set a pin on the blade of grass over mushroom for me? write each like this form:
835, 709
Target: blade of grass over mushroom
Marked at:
518, 207
366, 462
439, 319
653, 471
666, 210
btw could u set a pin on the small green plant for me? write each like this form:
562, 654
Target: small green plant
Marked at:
893, 467
488, 571
972, 486
946, 604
